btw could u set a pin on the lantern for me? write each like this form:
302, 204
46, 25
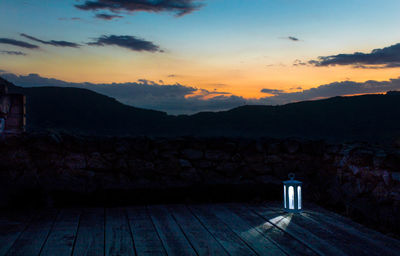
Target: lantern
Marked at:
292, 194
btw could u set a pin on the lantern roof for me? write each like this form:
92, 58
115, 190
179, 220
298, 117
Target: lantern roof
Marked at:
292, 180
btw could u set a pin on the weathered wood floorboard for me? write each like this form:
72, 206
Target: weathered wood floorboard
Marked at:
12, 224
232, 243
199, 229
147, 241
172, 237
90, 235
287, 243
31, 241
260, 244
284, 222
356, 229
203, 242
61, 239
118, 236
351, 243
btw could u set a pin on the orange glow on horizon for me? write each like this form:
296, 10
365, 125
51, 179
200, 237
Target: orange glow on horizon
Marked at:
246, 80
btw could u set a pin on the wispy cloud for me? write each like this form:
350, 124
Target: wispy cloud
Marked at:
334, 89
18, 53
52, 42
173, 98
18, 43
104, 16
272, 91
178, 7
183, 99
292, 38
129, 42
388, 57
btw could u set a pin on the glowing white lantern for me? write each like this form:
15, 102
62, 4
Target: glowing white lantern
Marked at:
292, 194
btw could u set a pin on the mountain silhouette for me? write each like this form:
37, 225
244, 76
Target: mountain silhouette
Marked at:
81, 111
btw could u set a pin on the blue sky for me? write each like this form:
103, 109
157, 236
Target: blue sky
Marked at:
240, 45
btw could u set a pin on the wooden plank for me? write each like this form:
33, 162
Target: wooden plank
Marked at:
146, 240
369, 235
90, 236
62, 237
12, 224
349, 244
203, 242
118, 235
285, 241
283, 221
260, 244
174, 240
349, 241
232, 243
35, 235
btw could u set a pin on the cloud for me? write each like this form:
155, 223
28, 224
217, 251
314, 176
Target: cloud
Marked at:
178, 7
388, 57
104, 16
300, 63
292, 38
129, 42
52, 42
172, 98
183, 99
272, 91
334, 89
18, 43
18, 53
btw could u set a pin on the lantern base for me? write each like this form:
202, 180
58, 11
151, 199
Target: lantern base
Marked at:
293, 210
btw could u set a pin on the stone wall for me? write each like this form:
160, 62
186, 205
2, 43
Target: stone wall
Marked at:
355, 179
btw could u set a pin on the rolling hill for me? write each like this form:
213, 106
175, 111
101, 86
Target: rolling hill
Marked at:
81, 111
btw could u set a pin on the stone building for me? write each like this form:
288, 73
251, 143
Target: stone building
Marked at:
12, 111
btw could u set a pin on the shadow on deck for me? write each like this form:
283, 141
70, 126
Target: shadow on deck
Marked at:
196, 229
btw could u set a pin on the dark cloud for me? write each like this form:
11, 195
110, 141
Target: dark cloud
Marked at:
52, 42
172, 75
300, 63
105, 16
18, 53
182, 99
178, 7
334, 89
292, 38
272, 91
388, 57
129, 42
172, 98
18, 43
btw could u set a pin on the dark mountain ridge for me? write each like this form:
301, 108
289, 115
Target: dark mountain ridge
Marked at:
81, 111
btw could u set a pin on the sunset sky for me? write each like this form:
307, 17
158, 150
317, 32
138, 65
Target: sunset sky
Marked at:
238, 51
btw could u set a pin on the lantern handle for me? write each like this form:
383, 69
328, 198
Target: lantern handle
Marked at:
291, 176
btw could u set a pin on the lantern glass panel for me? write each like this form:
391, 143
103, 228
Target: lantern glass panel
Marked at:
299, 197
284, 195
291, 197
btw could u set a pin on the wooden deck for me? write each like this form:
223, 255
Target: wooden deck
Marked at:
212, 229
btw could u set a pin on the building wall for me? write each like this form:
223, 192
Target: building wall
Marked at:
13, 112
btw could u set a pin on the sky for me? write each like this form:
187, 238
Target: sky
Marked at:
185, 56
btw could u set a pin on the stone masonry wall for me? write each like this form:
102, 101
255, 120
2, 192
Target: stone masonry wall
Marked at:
358, 180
